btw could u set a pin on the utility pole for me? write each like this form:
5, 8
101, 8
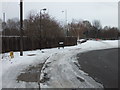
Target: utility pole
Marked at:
65, 11
3, 17
66, 21
40, 31
21, 27
66, 16
44, 9
4, 24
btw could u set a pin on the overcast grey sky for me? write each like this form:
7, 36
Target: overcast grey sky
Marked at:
106, 12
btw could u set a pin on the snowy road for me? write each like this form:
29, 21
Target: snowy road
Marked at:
61, 70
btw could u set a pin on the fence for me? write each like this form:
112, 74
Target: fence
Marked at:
32, 43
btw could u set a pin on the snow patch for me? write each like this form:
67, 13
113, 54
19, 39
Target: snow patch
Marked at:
61, 68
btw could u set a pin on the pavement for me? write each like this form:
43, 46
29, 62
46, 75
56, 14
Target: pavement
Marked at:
101, 65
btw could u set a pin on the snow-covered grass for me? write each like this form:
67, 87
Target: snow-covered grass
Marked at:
62, 69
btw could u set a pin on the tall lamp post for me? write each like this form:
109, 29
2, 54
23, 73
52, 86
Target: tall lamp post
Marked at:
66, 20
44, 9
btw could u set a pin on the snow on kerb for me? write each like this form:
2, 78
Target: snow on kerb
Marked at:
20, 63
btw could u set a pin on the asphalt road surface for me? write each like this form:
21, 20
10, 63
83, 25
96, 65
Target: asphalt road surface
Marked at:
101, 65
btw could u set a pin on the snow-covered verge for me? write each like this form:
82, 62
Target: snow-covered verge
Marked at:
61, 67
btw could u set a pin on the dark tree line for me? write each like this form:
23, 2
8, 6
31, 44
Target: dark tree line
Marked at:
86, 29
51, 28
11, 27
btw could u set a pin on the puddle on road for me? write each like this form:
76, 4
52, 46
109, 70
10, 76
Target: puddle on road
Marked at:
32, 74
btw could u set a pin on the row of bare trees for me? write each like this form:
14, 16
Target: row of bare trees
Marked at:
51, 28
11, 27
86, 29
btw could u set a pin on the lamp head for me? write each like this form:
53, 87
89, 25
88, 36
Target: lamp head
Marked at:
44, 9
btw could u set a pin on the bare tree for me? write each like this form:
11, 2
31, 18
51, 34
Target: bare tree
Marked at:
50, 28
78, 28
97, 24
11, 27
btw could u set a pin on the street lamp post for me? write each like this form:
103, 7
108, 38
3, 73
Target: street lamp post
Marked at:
44, 9
66, 21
